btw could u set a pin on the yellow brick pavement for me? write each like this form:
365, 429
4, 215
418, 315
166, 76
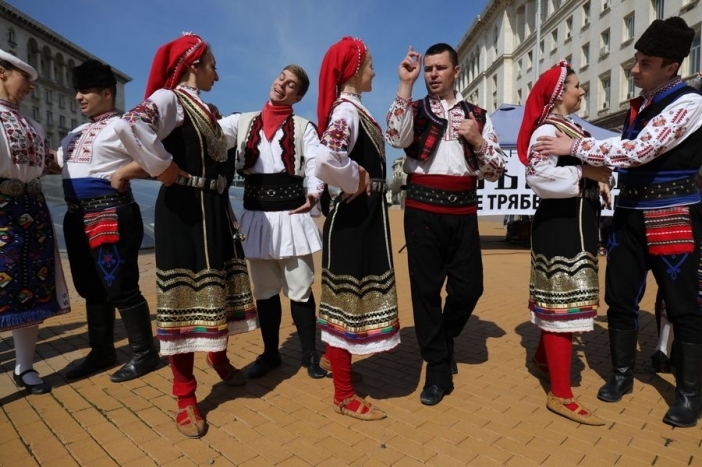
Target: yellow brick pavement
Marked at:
496, 415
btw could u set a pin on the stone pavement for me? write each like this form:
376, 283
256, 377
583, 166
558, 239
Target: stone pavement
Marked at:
496, 415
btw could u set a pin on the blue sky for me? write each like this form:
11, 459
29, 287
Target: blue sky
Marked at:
254, 39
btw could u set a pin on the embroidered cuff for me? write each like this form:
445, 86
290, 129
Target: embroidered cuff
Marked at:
402, 101
483, 149
575, 147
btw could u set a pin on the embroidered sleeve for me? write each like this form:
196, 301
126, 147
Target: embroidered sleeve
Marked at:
400, 123
141, 130
230, 128
333, 164
490, 157
662, 133
545, 177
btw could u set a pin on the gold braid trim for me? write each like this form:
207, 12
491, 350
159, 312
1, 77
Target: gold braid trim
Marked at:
216, 143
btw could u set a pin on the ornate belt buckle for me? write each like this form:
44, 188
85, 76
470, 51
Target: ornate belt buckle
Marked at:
34, 187
452, 198
271, 192
221, 184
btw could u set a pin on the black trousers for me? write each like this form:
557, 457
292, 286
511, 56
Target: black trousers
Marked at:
442, 249
677, 277
109, 273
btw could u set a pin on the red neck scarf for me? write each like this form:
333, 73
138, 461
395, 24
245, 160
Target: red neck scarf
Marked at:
273, 117
548, 88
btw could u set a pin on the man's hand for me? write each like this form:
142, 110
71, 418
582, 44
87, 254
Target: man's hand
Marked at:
364, 186
410, 66
558, 145
168, 177
215, 111
469, 129
307, 207
119, 181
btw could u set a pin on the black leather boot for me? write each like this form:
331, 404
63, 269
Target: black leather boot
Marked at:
269, 317
687, 406
137, 323
622, 345
101, 324
305, 319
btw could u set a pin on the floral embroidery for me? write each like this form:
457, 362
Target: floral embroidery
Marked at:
80, 147
26, 146
146, 112
337, 136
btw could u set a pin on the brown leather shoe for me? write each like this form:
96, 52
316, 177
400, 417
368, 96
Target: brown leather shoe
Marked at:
193, 426
371, 414
558, 405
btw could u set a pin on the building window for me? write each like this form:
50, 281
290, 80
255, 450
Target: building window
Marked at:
569, 59
50, 140
62, 121
74, 123
35, 114
519, 97
554, 40
73, 105
35, 91
604, 43
62, 101
569, 27
629, 27
695, 55
541, 50
49, 100
630, 88
585, 59
586, 13
606, 83
530, 60
606, 4
49, 118
519, 68
11, 37
658, 8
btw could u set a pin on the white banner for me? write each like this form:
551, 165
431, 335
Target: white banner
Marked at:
511, 194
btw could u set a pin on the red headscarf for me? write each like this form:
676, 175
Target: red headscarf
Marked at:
172, 60
548, 88
342, 61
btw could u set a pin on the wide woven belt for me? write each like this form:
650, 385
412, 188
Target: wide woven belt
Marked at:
99, 203
378, 185
218, 184
658, 191
439, 197
280, 197
13, 187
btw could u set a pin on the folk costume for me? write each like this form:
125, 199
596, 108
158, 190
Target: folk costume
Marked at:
32, 286
358, 312
441, 222
657, 221
202, 282
103, 231
564, 284
273, 153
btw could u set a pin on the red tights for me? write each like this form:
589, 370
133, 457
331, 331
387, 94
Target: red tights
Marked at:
340, 360
184, 382
558, 349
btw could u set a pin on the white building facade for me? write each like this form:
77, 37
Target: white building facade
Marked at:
504, 51
52, 102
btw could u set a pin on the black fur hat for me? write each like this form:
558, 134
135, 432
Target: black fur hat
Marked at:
669, 38
93, 74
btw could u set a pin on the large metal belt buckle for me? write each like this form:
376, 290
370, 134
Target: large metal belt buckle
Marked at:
271, 192
12, 187
452, 198
34, 187
221, 184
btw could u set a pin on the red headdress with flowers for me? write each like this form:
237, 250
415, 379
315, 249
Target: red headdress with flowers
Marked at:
543, 96
171, 61
342, 61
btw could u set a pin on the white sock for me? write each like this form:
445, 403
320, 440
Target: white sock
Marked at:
25, 344
665, 337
